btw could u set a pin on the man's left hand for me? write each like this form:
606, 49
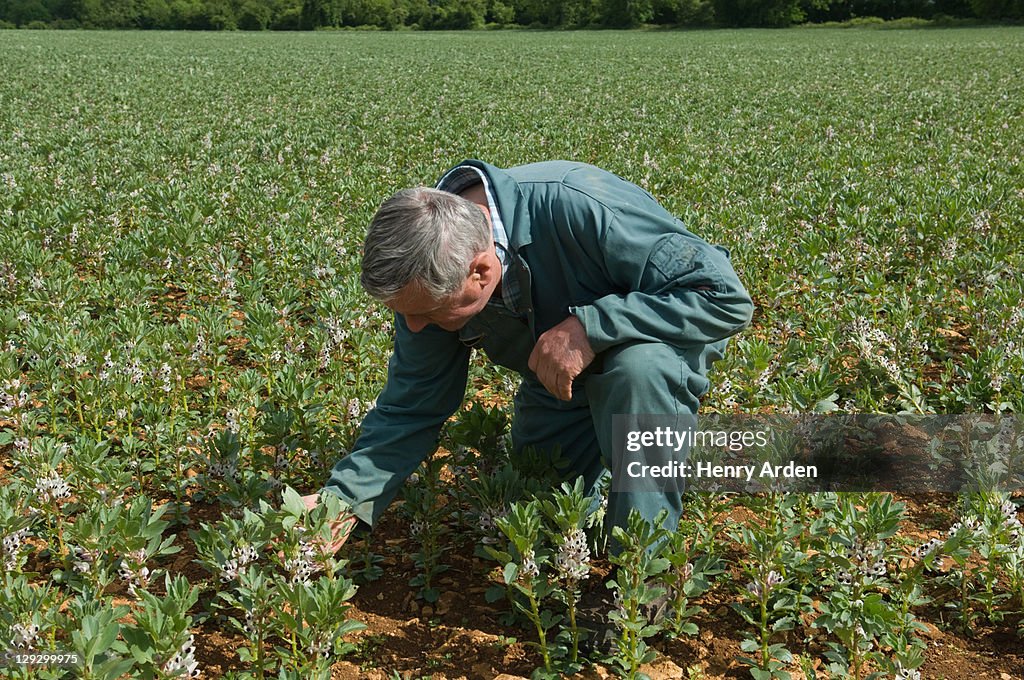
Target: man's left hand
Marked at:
561, 354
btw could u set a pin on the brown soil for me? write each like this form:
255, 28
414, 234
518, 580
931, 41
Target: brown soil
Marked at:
462, 637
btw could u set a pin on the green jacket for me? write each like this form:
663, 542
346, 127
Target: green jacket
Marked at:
583, 241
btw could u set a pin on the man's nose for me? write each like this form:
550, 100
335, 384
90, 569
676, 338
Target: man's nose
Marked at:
415, 323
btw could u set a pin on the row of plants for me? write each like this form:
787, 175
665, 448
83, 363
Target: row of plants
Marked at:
87, 574
827, 584
845, 571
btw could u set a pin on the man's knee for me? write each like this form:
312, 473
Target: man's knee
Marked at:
651, 367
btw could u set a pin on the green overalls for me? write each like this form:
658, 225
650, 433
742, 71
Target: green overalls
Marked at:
657, 303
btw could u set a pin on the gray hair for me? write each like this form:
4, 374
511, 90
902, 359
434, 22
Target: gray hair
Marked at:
425, 236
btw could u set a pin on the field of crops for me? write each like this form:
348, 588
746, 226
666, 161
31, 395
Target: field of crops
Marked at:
184, 349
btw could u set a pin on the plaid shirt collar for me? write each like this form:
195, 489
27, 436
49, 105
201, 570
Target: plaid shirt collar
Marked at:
463, 177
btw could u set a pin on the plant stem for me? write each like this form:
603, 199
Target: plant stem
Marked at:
535, 616
765, 635
573, 630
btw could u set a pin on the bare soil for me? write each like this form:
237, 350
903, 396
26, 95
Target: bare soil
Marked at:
463, 637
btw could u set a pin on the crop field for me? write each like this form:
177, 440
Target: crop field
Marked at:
185, 350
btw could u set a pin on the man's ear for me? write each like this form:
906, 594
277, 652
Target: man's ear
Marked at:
482, 269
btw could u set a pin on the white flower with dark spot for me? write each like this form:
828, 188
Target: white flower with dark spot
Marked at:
24, 637
10, 546
183, 664
573, 557
52, 488
528, 568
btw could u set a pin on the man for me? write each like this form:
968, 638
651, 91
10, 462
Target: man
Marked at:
575, 278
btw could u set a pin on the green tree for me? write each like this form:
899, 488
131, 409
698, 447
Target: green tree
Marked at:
154, 14
286, 15
318, 13
533, 12
998, 9
186, 14
767, 13
218, 15
460, 14
23, 12
364, 12
628, 13
501, 13
253, 16
684, 12
579, 13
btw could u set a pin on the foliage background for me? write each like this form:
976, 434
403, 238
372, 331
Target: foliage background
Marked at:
254, 15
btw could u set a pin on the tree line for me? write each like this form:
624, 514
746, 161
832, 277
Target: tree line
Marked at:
257, 15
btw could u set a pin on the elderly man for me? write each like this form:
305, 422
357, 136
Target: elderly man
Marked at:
573, 277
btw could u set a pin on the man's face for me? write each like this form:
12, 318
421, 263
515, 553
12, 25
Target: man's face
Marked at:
451, 314
455, 311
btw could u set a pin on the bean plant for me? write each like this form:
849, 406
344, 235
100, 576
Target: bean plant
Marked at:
427, 527
639, 569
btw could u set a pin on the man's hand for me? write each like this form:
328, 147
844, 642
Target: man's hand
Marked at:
340, 528
561, 354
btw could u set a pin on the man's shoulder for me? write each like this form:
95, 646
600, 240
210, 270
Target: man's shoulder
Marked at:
546, 171
540, 171
584, 182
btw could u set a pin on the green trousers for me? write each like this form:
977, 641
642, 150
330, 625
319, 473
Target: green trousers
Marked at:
633, 378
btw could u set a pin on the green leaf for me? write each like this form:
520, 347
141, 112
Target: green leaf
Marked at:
495, 593
113, 669
510, 572
292, 502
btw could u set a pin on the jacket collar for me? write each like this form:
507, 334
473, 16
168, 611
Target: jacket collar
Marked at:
511, 203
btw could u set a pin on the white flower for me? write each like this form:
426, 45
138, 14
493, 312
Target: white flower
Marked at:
528, 568
573, 557
906, 673
926, 548
134, 571
417, 527
302, 566
878, 568
199, 347
241, 556
756, 587
319, 647
10, 545
184, 660
84, 560
52, 488
165, 377
25, 637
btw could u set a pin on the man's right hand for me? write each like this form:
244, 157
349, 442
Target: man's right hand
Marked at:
341, 528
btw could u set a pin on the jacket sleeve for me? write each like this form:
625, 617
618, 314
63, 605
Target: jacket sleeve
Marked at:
671, 286
425, 386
